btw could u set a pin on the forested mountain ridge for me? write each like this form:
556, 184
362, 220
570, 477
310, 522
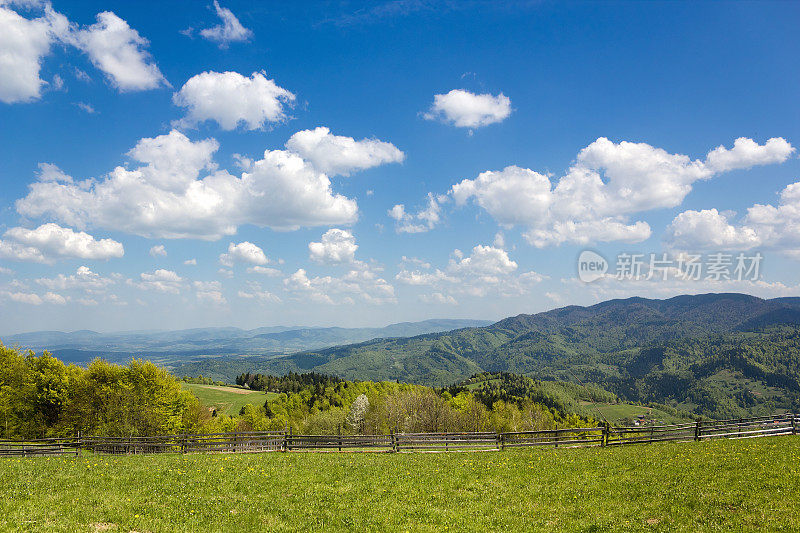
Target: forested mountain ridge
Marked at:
720, 354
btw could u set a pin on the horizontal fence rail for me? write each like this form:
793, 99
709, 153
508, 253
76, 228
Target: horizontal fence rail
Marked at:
37, 447
338, 442
571, 437
285, 441
446, 441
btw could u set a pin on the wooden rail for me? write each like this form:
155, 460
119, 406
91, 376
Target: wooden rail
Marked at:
572, 437
446, 441
268, 441
36, 447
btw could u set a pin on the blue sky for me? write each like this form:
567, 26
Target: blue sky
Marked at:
514, 136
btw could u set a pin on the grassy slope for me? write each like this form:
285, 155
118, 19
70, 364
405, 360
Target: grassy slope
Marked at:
226, 400
623, 412
745, 485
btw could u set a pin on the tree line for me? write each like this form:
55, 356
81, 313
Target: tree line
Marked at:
40, 396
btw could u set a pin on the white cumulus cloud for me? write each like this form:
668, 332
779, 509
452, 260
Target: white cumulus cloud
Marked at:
244, 252
337, 246
50, 242
764, 226
229, 30
468, 110
608, 183
264, 271
84, 279
23, 45
338, 155
708, 228
160, 280
24, 297
158, 251
424, 220
210, 291
230, 100
363, 285
486, 270
176, 192
120, 52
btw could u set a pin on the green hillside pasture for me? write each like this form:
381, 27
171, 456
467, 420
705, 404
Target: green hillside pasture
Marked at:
226, 400
737, 485
623, 413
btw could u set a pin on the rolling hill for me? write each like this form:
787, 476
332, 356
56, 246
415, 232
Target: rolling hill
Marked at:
717, 354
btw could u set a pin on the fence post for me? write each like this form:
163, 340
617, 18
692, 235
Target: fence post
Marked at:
499, 441
339, 430
697, 430
391, 439
79, 445
604, 436
289, 440
794, 424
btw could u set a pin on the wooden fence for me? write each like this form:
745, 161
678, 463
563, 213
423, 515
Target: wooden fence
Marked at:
33, 447
265, 441
446, 441
566, 438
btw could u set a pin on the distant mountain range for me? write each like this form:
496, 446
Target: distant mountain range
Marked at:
721, 355
718, 354
171, 347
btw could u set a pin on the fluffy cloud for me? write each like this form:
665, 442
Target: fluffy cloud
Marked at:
747, 153
230, 99
438, 298
765, 225
264, 271
468, 110
53, 298
165, 197
692, 230
210, 291
484, 261
608, 183
158, 251
424, 220
335, 154
111, 44
23, 45
358, 284
24, 297
229, 30
487, 269
50, 241
120, 52
255, 292
244, 252
161, 280
423, 276
83, 280
337, 246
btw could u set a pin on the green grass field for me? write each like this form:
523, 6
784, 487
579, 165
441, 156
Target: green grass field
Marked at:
744, 485
619, 412
226, 400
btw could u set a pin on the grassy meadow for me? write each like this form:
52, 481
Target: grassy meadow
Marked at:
742, 485
621, 413
226, 400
